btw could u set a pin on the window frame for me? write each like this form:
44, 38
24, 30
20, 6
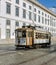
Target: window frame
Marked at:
8, 8
24, 13
17, 11
8, 22
17, 1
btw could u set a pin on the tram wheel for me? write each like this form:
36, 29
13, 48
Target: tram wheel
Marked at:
35, 46
16, 48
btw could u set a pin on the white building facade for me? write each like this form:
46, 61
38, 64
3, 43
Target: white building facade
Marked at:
16, 13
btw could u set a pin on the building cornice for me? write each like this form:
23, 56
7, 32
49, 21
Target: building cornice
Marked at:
42, 7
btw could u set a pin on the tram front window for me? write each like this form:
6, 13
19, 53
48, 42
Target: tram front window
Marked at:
21, 33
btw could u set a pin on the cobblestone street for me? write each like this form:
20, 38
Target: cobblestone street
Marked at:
10, 56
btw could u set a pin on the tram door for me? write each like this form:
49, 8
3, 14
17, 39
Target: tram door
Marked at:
29, 38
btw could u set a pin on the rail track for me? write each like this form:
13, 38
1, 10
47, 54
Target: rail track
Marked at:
46, 63
35, 58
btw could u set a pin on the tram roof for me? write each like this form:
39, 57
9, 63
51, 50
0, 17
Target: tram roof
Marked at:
23, 28
42, 31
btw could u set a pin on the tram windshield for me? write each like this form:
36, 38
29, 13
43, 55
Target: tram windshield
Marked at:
21, 33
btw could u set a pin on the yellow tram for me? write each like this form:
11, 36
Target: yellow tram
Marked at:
29, 36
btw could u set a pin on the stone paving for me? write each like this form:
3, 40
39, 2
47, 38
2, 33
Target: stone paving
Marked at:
10, 56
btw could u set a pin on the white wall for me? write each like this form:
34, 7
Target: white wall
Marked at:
3, 28
13, 18
12, 29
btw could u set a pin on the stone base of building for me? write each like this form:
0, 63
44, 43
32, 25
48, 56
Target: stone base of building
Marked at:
7, 41
12, 41
53, 40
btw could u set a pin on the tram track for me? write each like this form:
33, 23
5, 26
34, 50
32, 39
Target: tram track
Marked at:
35, 58
46, 63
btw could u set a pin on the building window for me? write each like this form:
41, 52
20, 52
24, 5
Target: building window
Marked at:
17, 23
17, 11
34, 9
17, 1
24, 13
9, 0
38, 18
45, 15
39, 12
48, 21
24, 4
7, 33
54, 24
42, 19
30, 7
30, 14
45, 28
7, 22
42, 13
34, 17
8, 8
48, 16
45, 21
24, 24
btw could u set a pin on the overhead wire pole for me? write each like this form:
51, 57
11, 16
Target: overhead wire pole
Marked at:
32, 19
32, 16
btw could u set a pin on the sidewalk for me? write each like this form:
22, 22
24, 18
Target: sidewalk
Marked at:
7, 42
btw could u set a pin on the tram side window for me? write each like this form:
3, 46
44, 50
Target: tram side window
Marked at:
23, 33
47, 36
36, 35
39, 35
43, 36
